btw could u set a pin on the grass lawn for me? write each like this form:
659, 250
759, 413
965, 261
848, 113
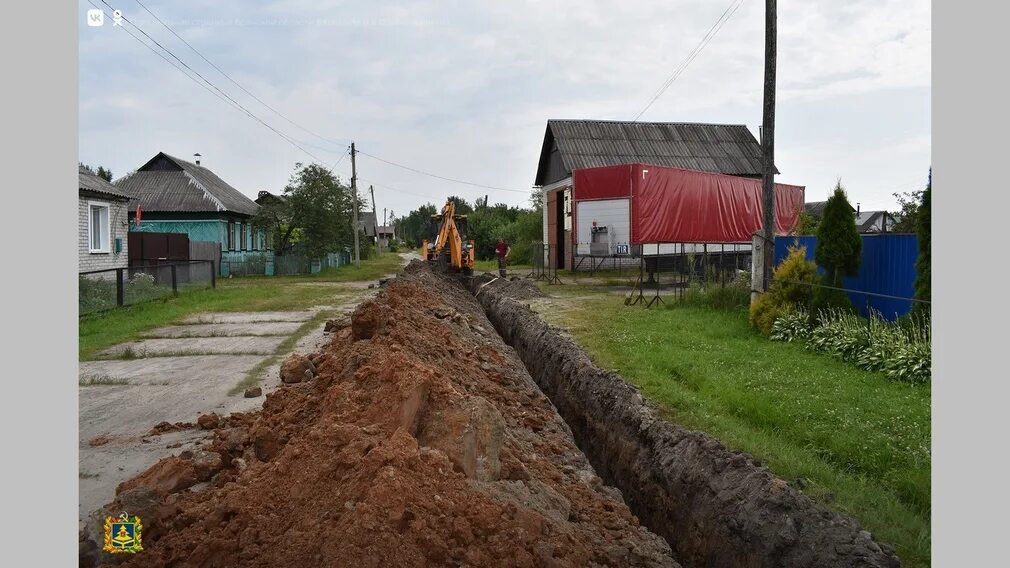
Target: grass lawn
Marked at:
492, 266
861, 443
251, 293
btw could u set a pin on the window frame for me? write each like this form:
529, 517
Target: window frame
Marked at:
107, 240
231, 235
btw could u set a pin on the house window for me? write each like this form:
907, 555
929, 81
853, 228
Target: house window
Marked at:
231, 235
243, 229
98, 227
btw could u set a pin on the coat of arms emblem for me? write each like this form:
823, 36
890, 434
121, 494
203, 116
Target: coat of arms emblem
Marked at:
122, 534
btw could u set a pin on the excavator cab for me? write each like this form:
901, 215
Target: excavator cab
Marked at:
449, 250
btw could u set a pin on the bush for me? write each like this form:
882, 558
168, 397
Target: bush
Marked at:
829, 299
787, 291
95, 294
765, 310
901, 350
142, 287
793, 326
393, 245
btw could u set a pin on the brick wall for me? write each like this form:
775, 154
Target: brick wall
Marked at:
86, 260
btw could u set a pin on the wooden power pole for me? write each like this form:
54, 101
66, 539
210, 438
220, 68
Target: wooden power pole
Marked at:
354, 205
768, 144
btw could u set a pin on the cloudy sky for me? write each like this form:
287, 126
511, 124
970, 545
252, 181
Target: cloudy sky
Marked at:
463, 89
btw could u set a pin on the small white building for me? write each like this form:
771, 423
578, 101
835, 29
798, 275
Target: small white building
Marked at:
102, 219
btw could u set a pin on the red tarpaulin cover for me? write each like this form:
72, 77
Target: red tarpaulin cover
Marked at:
687, 206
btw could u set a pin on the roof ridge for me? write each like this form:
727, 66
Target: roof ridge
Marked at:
643, 123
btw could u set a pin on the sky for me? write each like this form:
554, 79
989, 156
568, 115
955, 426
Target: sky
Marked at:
464, 89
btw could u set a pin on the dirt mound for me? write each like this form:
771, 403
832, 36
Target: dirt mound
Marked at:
421, 441
715, 506
513, 287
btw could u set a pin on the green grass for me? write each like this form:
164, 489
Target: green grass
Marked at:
253, 293
101, 380
492, 266
861, 441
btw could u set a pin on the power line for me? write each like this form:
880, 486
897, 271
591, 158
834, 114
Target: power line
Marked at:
219, 70
726, 15
208, 85
415, 170
215, 87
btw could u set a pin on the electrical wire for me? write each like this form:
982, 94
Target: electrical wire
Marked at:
726, 15
236, 83
211, 84
415, 170
208, 85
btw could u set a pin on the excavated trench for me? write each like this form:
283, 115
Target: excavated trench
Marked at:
419, 436
715, 507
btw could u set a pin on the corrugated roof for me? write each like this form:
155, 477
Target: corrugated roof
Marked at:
368, 223
87, 180
185, 188
866, 219
719, 148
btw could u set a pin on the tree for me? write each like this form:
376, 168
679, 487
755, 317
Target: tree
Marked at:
274, 218
906, 220
101, 172
923, 262
416, 225
838, 249
319, 206
462, 206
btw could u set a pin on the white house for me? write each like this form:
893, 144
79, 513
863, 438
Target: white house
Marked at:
102, 224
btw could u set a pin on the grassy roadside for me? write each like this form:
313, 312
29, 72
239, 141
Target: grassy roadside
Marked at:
858, 442
253, 376
253, 293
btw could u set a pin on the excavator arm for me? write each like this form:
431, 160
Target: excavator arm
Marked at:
449, 247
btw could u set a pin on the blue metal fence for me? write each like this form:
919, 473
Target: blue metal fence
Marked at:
887, 267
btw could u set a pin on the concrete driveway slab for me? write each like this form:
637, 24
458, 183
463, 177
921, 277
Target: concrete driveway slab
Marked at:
226, 329
249, 317
244, 345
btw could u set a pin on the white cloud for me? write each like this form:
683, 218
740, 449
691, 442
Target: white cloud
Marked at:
464, 89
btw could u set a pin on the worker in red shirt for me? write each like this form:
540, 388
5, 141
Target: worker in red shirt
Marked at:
502, 249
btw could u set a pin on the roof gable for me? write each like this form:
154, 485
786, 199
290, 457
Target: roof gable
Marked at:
575, 144
167, 183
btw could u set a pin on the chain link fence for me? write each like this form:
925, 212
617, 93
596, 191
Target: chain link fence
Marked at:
103, 290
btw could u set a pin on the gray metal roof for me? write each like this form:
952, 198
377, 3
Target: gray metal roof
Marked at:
866, 219
720, 148
368, 223
88, 181
169, 184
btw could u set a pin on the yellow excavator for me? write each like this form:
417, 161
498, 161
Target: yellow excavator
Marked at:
450, 251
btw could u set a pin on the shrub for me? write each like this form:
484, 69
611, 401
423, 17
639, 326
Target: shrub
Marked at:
787, 291
765, 310
838, 251
95, 294
793, 326
901, 350
830, 299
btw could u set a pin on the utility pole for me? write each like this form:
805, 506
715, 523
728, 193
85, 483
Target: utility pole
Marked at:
371, 189
768, 144
354, 206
